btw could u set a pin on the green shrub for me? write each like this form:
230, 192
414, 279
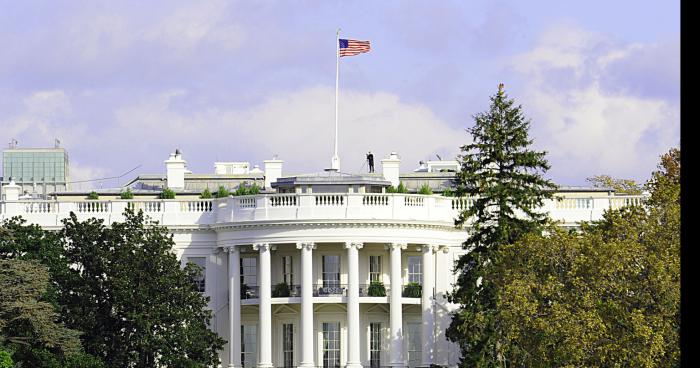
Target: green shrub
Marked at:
254, 189
425, 189
401, 188
6, 360
376, 288
222, 192
93, 195
126, 194
390, 189
206, 194
412, 290
167, 193
448, 193
281, 290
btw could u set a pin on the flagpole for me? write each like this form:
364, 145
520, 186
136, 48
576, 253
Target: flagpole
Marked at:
335, 162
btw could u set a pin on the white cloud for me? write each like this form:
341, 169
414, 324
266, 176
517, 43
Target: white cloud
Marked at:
298, 126
586, 127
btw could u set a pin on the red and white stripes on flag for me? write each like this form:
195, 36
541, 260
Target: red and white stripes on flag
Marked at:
352, 47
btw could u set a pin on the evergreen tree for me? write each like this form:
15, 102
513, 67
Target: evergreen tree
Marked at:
504, 177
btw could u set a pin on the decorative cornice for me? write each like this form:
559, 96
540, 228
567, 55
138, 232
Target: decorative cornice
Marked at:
392, 246
356, 245
339, 224
263, 247
306, 245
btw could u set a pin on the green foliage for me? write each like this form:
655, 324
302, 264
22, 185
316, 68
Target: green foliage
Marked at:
425, 189
245, 189
93, 195
503, 175
605, 296
125, 292
29, 325
620, 186
222, 192
6, 360
132, 300
401, 188
412, 290
376, 288
281, 290
167, 193
448, 192
127, 194
206, 194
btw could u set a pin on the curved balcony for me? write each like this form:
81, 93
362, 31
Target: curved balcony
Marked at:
296, 207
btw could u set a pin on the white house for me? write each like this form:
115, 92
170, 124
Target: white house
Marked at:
322, 269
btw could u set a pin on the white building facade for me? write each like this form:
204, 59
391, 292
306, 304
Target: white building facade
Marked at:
320, 270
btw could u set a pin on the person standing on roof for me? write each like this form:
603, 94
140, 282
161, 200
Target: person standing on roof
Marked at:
370, 161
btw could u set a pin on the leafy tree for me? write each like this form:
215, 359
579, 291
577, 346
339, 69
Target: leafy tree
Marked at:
607, 296
29, 325
621, 186
131, 299
503, 175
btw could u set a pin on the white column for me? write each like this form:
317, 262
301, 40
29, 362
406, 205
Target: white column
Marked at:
265, 308
396, 312
234, 307
353, 305
307, 305
428, 285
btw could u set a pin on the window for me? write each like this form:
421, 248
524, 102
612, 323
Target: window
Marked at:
287, 272
331, 271
200, 281
375, 268
375, 344
249, 271
249, 345
331, 344
414, 269
414, 344
288, 344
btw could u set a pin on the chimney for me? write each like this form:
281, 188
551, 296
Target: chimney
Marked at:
390, 168
273, 170
175, 168
11, 191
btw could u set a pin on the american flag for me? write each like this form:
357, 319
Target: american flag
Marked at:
353, 47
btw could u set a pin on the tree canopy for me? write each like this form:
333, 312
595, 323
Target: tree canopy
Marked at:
123, 289
503, 176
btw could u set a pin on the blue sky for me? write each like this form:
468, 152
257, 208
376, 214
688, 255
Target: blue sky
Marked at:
124, 83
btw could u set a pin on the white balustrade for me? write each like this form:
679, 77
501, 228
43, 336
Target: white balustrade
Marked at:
270, 207
375, 200
330, 200
413, 201
283, 200
93, 207
203, 205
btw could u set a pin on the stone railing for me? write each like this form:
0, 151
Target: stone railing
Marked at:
433, 209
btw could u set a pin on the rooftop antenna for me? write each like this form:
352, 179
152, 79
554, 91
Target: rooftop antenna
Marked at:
438, 156
56, 143
13, 143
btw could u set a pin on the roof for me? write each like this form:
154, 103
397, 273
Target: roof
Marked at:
331, 177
